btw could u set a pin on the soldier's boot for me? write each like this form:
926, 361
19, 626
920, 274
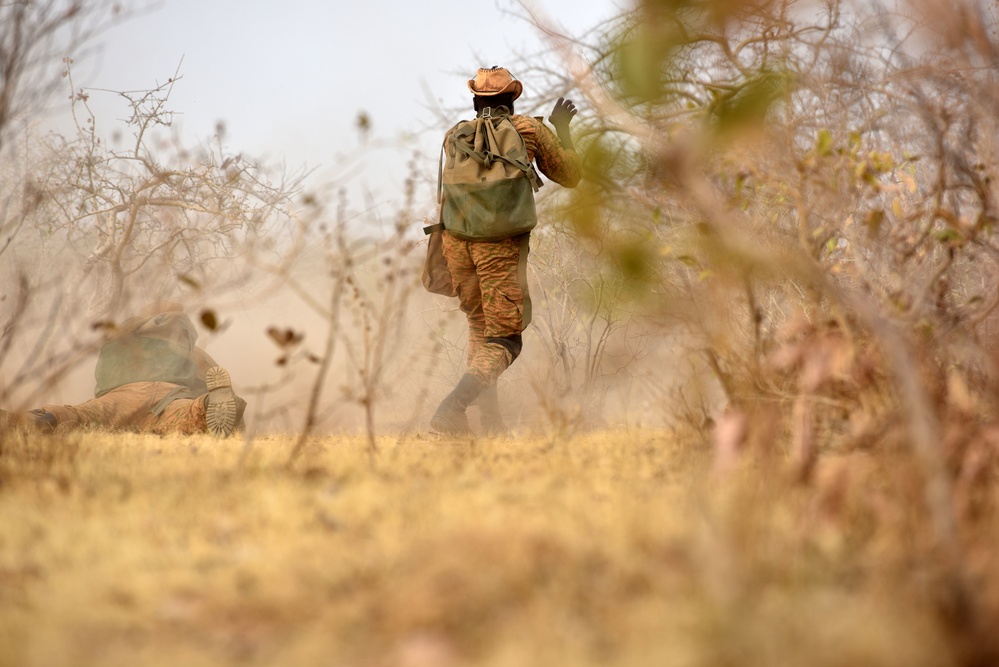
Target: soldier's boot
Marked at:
223, 409
489, 412
450, 418
240, 410
34, 420
42, 420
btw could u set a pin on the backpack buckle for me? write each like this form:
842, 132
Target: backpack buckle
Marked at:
487, 112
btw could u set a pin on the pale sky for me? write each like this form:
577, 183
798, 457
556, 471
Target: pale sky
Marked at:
289, 79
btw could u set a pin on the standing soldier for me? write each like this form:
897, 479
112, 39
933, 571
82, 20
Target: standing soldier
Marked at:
487, 221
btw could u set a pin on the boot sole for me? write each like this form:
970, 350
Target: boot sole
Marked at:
445, 426
220, 406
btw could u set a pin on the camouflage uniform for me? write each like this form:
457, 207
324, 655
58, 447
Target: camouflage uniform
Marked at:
138, 407
150, 378
481, 205
491, 277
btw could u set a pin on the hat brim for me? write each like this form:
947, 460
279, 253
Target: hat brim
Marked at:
516, 87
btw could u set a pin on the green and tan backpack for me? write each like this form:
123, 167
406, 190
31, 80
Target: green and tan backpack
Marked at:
486, 183
157, 348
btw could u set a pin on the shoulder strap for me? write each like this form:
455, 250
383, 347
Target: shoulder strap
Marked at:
440, 172
486, 157
469, 130
519, 162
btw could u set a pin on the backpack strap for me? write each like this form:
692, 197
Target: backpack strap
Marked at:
485, 158
469, 130
519, 162
440, 173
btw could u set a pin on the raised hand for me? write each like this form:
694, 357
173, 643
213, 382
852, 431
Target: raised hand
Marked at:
562, 113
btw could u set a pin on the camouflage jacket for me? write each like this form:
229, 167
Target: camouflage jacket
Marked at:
545, 149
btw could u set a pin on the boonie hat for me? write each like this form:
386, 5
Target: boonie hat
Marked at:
494, 81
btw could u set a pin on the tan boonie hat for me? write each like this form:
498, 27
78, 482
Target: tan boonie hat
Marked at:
494, 81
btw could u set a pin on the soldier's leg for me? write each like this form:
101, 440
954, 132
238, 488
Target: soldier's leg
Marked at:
450, 417
463, 275
124, 408
181, 415
500, 281
219, 412
501, 268
147, 407
506, 306
490, 413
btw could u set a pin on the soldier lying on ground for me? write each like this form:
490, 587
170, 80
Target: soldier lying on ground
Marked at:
151, 378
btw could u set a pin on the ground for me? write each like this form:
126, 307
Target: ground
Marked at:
613, 548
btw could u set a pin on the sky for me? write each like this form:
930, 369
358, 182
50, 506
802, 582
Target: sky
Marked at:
290, 79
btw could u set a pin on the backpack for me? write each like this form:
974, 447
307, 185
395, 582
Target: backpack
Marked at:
158, 348
486, 183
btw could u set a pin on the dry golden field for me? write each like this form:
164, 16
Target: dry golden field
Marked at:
608, 549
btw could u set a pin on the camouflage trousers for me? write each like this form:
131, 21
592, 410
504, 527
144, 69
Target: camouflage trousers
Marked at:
136, 406
491, 281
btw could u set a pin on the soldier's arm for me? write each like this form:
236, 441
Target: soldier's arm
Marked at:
555, 160
560, 118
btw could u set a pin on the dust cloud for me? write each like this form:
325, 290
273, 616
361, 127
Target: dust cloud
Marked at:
53, 356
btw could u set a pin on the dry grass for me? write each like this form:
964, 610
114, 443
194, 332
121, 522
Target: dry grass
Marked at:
609, 549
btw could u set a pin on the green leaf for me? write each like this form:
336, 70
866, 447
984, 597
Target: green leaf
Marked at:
751, 101
688, 260
948, 236
823, 144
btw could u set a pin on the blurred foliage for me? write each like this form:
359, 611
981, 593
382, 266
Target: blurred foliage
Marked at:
803, 195
791, 155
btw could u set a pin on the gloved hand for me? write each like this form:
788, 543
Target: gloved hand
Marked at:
562, 114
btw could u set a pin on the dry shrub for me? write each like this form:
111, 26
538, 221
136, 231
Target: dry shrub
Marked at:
803, 194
